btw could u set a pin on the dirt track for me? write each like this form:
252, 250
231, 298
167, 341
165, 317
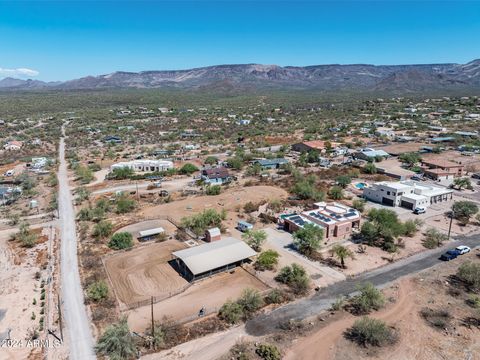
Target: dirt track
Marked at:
143, 272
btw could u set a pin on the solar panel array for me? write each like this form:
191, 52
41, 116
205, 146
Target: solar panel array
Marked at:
320, 217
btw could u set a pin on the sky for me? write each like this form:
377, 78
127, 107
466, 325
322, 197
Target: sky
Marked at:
63, 40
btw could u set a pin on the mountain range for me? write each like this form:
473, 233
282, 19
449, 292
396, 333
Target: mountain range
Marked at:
357, 77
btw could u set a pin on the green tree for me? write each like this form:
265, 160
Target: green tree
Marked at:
370, 168
343, 180
410, 159
341, 253
382, 228
306, 189
267, 260
200, 222
121, 240
122, 173
308, 238
117, 342
188, 169
336, 193
124, 204
97, 291
462, 183
464, 210
211, 160
469, 273
255, 239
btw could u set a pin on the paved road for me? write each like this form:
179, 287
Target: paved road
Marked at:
322, 300
77, 324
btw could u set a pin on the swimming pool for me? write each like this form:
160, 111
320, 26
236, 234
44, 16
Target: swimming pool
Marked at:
360, 185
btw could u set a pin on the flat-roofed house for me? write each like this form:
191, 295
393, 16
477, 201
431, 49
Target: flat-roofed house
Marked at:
313, 145
144, 165
13, 145
409, 194
211, 258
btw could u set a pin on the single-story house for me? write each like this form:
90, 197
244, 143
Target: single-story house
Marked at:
208, 259
267, 164
409, 194
216, 176
370, 154
144, 165
313, 145
13, 145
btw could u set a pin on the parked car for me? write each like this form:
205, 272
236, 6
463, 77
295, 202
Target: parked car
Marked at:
476, 175
419, 210
462, 249
449, 255
244, 226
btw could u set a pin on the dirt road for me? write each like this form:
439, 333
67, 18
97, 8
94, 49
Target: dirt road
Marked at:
78, 332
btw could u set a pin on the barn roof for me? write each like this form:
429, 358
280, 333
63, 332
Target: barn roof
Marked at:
206, 257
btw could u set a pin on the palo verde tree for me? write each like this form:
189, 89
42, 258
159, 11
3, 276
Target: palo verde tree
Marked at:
308, 238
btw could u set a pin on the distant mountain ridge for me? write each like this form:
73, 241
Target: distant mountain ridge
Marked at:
360, 77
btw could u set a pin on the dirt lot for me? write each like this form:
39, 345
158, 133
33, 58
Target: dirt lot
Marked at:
143, 272
229, 200
134, 229
417, 340
210, 293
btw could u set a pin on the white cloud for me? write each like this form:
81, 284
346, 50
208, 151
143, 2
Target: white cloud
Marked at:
20, 72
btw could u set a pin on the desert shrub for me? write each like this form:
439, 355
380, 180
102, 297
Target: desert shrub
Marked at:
267, 260
469, 273
306, 189
434, 238
370, 168
359, 204
188, 169
268, 352
124, 205
464, 210
26, 238
117, 342
275, 296
440, 319
336, 193
84, 174
213, 190
121, 240
250, 207
103, 229
97, 291
121, 173
295, 277
410, 227
370, 298
231, 312
338, 304
343, 180
367, 331
250, 301
474, 301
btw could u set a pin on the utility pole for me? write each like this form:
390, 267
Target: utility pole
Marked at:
450, 225
138, 195
60, 316
153, 322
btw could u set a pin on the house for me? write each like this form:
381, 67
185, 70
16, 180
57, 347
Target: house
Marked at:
336, 220
112, 139
144, 165
13, 145
438, 169
370, 154
211, 258
218, 175
409, 194
213, 234
314, 145
267, 164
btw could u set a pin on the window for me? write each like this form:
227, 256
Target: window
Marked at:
388, 192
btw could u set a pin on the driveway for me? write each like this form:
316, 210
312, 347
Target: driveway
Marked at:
77, 329
322, 300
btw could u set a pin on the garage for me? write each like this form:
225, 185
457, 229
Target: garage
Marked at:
407, 204
386, 201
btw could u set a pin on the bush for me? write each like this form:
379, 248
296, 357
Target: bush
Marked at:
338, 304
370, 298
359, 204
474, 301
188, 169
213, 190
440, 319
434, 238
469, 273
295, 277
121, 240
255, 239
231, 312
250, 301
410, 227
370, 168
268, 352
267, 260
117, 342
84, 174
306, 189
103, 229
464, 210
250, 207
336, 193
97, 291
121, 173
124, 205
343, 180
275, 296
367, 331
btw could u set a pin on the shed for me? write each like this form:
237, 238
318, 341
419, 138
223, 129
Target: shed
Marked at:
150, 234
213, 234
211, 258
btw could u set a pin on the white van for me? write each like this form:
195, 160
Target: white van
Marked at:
10, 173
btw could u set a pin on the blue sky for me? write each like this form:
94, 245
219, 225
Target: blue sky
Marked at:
66, 39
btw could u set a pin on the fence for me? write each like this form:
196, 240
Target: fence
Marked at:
156, 299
